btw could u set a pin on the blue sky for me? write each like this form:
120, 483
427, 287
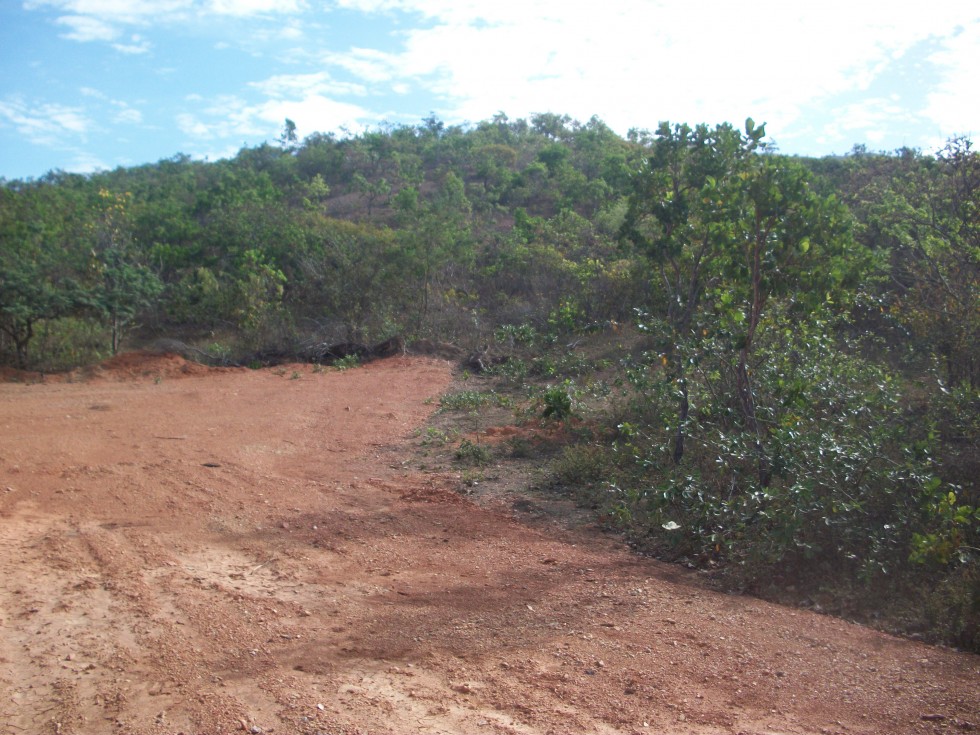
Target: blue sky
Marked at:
94, 84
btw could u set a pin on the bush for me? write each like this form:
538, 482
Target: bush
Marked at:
557, 403
474, 453
856, 504
63, 344
470, 400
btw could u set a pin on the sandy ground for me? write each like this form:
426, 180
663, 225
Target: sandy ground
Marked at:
195, 551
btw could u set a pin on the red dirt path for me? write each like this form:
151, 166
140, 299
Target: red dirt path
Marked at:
195, 551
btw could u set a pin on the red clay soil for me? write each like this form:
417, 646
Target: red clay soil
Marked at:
194, 551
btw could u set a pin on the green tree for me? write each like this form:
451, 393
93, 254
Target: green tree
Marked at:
119, 286
350, 276
29, 294
436, 234
37, 277
720, 220
932, 220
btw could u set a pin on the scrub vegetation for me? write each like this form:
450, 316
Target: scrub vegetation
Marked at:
771, 363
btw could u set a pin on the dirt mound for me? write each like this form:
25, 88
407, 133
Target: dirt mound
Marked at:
13, 375
141, 364
125, 366
255, 552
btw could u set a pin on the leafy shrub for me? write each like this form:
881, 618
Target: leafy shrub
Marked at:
952, 607
347, 362
584, 465
474, 453
853, 476
557, 403
66, 343
520, 447
470, 400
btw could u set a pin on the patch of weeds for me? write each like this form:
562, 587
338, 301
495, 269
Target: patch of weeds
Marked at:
280, 371
346, 363
544, 367
470, 400
516, 334
583, 465
514, 370
434, 437
574, 364
294, 376
157, 380
218, 353
470, 479
473, 453
318, 368
520, 447
599, 389
254, 365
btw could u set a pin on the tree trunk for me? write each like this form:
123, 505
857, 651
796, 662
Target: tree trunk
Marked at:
115, 334
747, 400
22, 338
682, 414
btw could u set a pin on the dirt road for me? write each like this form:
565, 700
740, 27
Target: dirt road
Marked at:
195, 551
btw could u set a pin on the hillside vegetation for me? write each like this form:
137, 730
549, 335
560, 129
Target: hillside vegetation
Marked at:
788, 389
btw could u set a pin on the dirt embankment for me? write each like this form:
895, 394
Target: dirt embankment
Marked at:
193, 551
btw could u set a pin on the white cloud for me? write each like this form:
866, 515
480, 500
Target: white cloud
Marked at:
128, 116
254, 7
954, 105
123, 113
137, 45
230, 117
869, 120
634, 63
371, 65
304, 85
191, 126
84, 28
311, 113
117, 12
46, 124
85, 162
105, 20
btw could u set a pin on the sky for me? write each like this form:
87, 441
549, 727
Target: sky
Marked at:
88, 85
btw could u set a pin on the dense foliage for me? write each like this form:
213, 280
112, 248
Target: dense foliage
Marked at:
801, 406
